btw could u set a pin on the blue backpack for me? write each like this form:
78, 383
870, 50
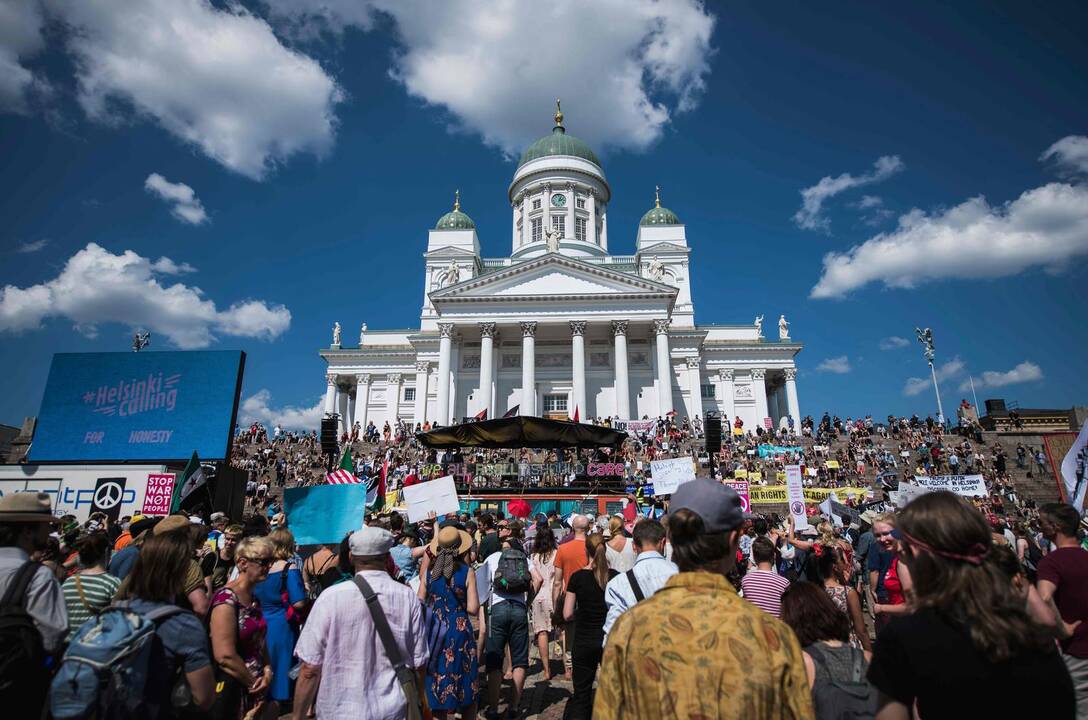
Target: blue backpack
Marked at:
105, 667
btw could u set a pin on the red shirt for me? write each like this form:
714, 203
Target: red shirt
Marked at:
1067, 568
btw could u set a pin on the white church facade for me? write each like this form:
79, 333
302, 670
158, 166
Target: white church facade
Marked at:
561, 327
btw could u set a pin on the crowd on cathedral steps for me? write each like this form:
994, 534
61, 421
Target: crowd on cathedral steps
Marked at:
948, 607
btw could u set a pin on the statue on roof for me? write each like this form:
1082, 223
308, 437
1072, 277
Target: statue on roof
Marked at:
362, 334
551, 240
759, 326
655, 269
783, 328
336, 334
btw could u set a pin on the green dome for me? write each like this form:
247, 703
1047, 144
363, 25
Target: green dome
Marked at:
455, 219
659, 216
559, 143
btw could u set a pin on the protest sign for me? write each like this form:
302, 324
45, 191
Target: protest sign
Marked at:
768, 423
324, 513
908, 492
634, 427
846, 512
159, 493
969, 485
438, 496
740, 473
1073, 467
671, 474
755, 476
795, 497
826, 509
741, 487
770, 494
771, 450
832, 464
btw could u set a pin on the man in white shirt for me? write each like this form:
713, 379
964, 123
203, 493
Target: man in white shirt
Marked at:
651, 571
340, 648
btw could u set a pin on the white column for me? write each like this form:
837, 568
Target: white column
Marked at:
591, 221
623, 391
578, 365
445, 345
783, 405
483, 396
570, 211
514, 224
362, 400
725, 385
528, 368
604, 228
419, 410
664, 367
342, 405
395, 389
759, 389
330, 394
350, 419
695, 390
455, 364
494, 391
791, 397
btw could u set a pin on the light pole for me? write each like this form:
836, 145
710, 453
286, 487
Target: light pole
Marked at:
926, 338
140, 340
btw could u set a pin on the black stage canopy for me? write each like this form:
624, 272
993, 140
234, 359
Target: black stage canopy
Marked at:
522, 432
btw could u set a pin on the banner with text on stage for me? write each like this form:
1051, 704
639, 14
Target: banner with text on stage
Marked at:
768, 494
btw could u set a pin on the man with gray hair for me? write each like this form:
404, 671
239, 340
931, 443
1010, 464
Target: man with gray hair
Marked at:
340, 646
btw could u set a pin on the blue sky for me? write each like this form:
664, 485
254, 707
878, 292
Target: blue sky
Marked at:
943, 149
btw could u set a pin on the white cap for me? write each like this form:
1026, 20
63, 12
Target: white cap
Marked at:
370, 541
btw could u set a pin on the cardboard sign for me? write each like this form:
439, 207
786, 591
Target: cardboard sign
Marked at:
324, 513
439, 496
740, 473
908, 492
795, 496
967, 485
671, 474
160, 491
832, 464
741, 487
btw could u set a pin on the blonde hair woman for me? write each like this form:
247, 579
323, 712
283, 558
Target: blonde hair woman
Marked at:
282, 596
619, 549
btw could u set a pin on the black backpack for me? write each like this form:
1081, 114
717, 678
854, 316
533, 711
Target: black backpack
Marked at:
512, 574
24, 679
842, 699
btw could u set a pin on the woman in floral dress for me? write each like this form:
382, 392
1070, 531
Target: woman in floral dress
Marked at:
448, 589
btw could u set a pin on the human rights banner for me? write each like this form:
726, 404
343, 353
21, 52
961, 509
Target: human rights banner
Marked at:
324, 514
795, 497
771, 494
968, 485
671, 474
771, 450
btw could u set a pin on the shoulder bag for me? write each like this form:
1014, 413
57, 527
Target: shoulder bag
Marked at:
406, 676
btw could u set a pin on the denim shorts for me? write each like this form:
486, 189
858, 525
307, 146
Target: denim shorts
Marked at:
508, 625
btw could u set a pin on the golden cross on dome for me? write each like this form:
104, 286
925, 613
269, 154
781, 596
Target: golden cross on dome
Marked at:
657, 196
457, 200
558, 114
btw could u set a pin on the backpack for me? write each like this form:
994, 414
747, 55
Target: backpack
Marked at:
512, 575
839, 699
105, 668
23, 676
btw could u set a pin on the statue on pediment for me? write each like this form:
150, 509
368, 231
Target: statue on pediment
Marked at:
450, 275
783, 328
759, 326
336, 334
551, 240
656, 270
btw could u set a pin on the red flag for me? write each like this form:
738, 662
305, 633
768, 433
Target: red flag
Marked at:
575, 413
482, 415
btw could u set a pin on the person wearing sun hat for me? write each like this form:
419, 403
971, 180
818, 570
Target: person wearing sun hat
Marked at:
26, 519
448, 587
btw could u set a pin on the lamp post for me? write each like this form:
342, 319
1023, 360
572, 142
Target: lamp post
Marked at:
140, 340
926, 338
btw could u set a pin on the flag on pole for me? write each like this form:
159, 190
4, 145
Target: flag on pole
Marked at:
513, 412
345, 474
670, 413
375, 493
575, 413
482, 415
192, 477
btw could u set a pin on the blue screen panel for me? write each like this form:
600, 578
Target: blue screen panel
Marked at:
138, 406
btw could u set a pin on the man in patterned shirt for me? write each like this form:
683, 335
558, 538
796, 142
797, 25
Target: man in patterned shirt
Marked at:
696, 649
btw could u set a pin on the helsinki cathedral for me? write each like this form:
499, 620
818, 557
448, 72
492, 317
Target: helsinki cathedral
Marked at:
561, 327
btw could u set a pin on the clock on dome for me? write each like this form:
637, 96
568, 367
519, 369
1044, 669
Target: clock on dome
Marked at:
559, 200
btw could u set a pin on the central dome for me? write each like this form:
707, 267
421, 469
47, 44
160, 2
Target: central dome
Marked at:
559, 143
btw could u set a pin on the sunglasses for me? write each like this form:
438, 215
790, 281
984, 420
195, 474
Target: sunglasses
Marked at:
263, 562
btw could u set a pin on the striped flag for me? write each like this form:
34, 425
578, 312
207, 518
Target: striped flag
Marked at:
345, 474
375, 493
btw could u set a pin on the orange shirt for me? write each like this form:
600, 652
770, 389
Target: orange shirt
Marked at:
122, 540
570, 558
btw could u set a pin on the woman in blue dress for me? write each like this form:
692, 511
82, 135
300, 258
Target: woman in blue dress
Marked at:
283, 578
448, 589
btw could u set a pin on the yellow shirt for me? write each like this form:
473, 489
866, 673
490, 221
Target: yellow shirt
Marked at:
696, 649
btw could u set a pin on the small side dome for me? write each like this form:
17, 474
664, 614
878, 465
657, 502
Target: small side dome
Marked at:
658, 215
455, 219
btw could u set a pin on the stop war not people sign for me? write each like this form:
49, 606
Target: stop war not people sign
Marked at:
160, 490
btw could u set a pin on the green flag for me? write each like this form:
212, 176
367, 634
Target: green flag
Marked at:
192, 477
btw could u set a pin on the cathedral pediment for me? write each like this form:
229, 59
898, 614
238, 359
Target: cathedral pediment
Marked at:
554, 277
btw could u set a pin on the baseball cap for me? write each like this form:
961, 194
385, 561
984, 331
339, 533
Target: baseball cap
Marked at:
718, 505
370, 541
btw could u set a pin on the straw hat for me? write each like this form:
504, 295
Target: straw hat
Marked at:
26, 507
451, 537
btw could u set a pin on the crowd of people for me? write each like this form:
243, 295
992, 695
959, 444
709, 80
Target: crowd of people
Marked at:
948, 607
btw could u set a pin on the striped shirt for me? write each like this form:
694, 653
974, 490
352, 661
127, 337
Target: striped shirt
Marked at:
764, 588
98, 592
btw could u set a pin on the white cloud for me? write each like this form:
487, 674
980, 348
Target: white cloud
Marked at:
1044, 227
216, 78
184, 204
839, 365
21, 23
947, 371
1070, 154
810, 217
31, 247
1024, 372
622, 67
868, 201
894, 343
256, 408
97, 287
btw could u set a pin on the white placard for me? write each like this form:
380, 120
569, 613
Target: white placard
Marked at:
671, 474
908, 491
795, 496
969, 485
437, 495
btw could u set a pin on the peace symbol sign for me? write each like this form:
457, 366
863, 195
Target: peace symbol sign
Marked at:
108, 494
797, 507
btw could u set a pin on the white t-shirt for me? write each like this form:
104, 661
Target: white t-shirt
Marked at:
484, 575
